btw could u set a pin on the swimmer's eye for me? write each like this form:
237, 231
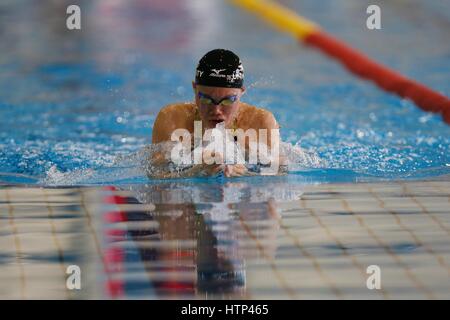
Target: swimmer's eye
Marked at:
228, 101
206, 101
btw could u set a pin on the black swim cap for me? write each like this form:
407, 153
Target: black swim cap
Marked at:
220, 68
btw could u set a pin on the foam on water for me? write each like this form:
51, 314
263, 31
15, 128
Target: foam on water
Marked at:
76, 110
135, 167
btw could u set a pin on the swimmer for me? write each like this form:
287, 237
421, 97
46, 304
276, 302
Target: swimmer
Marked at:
218, 88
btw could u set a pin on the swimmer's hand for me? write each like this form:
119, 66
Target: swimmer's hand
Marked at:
235, 170
213, 164
229, 170
211, 167
217, 166
205, 170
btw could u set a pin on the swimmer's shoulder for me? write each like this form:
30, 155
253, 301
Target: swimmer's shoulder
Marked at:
256, 117
170, 118
177, 109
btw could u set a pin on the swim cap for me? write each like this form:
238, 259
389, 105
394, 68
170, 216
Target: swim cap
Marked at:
220, 68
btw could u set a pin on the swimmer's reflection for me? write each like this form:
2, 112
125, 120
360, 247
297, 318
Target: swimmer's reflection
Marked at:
203, 237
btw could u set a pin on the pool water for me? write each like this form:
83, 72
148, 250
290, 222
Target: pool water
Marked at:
77, 107
369, 184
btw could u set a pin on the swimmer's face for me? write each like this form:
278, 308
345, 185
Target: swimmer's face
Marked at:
217, 104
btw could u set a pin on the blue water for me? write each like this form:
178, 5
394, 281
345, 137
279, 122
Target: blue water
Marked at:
77, 107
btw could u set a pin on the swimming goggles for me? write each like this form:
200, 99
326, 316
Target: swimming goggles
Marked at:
209, 101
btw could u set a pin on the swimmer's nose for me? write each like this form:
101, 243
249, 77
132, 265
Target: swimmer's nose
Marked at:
215, 110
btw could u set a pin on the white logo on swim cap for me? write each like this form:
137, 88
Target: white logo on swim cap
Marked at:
217, 71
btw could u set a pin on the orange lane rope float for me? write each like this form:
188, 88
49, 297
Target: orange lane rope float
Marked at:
311, 34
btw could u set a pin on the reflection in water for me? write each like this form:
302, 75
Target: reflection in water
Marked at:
198, 240
180, 240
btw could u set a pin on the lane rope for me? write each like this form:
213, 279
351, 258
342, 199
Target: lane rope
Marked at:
356, 62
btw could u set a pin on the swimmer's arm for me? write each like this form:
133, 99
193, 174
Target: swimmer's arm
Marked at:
165, 124
160, 166
269, 122
194, 171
